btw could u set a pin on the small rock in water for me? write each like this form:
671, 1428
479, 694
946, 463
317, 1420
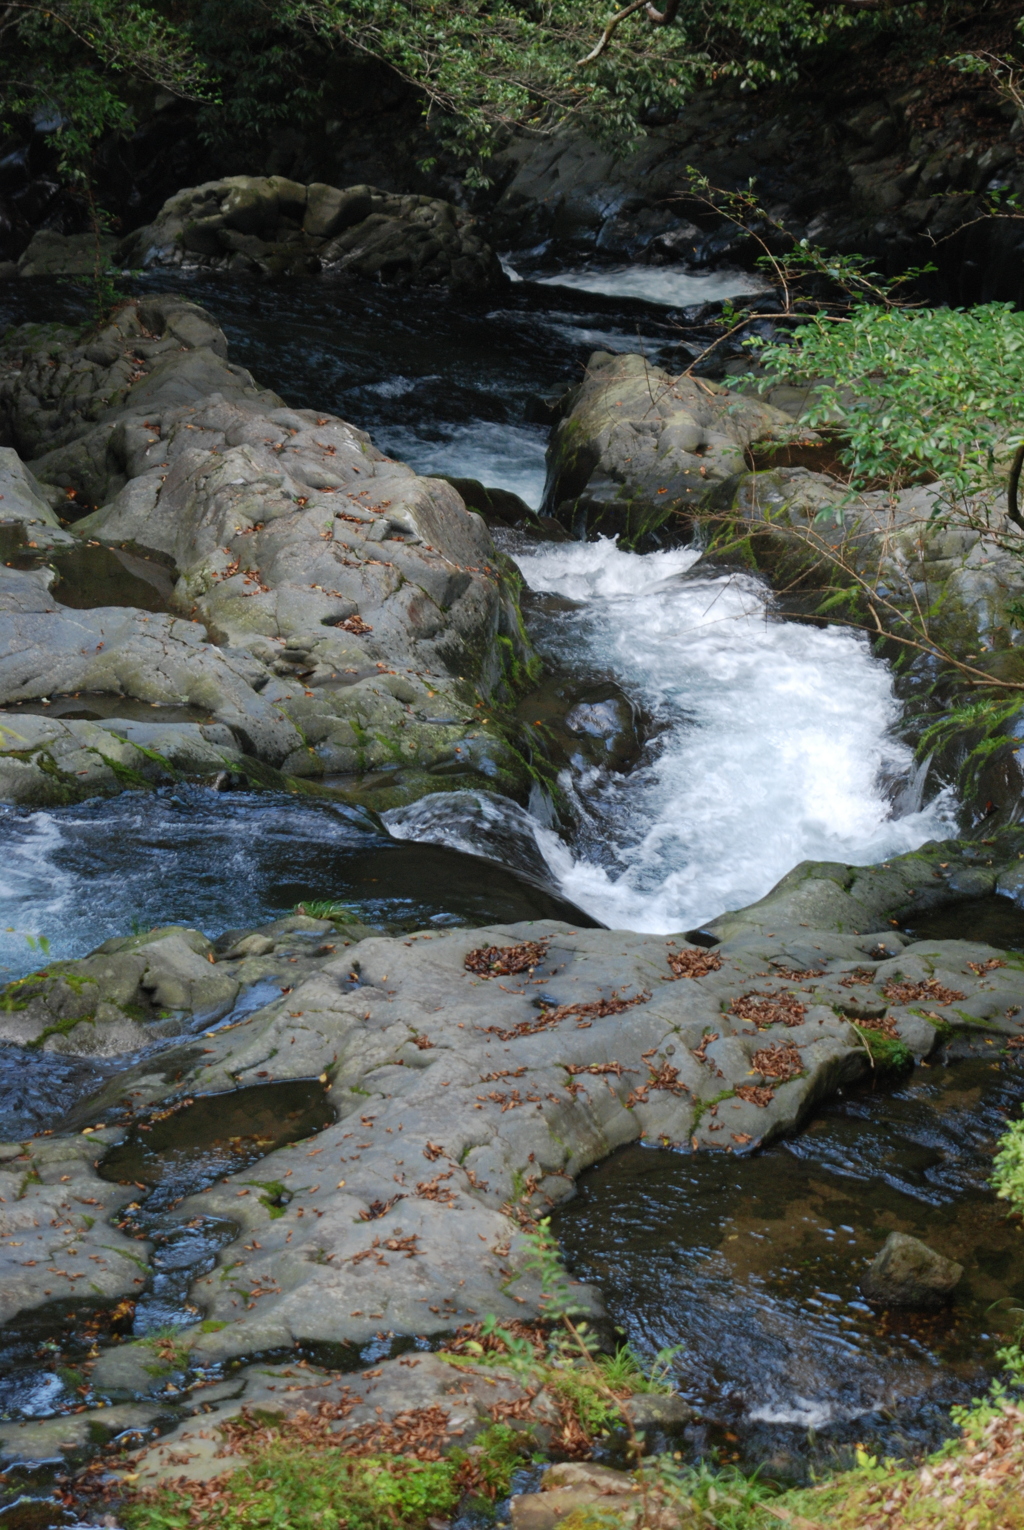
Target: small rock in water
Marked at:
578, 1489
907, 1273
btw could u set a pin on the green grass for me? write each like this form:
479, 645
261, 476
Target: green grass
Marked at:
326, 908
301, 1489
292, 1484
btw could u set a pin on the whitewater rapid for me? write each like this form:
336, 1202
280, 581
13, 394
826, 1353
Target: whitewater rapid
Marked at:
773, 740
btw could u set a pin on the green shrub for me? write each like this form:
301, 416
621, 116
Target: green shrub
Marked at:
913, 391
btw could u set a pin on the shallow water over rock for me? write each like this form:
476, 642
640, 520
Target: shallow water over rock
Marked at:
89, 575
753, 1268
996, 919
46, 1362
80, 875
95, 706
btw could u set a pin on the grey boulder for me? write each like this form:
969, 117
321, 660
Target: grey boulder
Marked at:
638, 447
281, 227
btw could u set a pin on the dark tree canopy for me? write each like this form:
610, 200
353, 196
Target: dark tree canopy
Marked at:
483, 67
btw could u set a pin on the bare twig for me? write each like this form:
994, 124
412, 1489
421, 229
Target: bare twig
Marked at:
1012, 484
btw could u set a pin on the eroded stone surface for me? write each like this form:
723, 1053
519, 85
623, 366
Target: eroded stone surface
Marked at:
358, 613
638, 446
279, 227
476, 1073
56, 1238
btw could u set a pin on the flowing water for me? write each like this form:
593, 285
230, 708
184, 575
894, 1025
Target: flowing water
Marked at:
77, 876
768, 741
773, 740
752, 1268
761, 742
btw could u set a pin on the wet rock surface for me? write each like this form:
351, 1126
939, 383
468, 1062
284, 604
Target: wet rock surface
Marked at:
474, 1074
279, 227
355, 609
907, 1273
584, 725
851, 160
579, 1488
638, 448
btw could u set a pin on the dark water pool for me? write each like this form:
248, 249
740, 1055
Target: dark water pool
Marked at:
77, 876
997, 920
753, 1268
88, 575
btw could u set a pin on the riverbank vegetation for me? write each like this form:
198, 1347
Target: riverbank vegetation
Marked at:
311, 1474
85, 69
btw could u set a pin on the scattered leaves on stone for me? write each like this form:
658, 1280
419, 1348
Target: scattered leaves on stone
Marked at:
377, 1209
585, 1014
779, 1061
929, 989
766, 1009
505, 961
755, 1094
665, 1077
694, 962
860, 977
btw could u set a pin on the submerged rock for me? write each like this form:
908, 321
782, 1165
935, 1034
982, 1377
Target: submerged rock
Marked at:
279, 227
907, 1273
583, 724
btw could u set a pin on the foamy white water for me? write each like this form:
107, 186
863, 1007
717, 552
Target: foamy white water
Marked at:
501, 455
774, 742
657, 284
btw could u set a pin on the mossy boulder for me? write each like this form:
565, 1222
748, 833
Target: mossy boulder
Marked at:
638, 449
283, 228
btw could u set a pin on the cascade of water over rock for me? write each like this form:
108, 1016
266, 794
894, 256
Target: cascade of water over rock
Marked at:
703, 745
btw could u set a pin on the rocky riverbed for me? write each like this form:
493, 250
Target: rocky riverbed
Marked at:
469, 1076
357, 611
275, 1162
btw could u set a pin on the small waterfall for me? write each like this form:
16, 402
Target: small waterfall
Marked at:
772, 742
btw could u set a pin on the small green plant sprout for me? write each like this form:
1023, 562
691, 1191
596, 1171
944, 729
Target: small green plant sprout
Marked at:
173, 1352
326, 908
1008, 1168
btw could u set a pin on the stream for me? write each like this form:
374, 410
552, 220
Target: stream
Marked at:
752, 1268
766, 742
762, 742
